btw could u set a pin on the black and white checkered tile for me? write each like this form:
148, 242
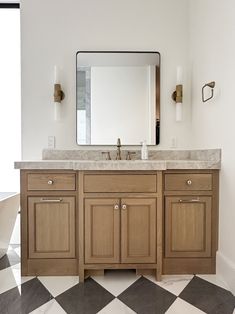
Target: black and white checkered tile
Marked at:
118, 292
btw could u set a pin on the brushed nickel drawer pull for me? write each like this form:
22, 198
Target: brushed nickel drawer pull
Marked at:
51, 200
124, 206
50, 182
116, 206
189, 182
194, 200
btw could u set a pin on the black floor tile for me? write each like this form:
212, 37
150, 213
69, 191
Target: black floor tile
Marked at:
24, 299
145, 297
208, 297
9, 259
86, 298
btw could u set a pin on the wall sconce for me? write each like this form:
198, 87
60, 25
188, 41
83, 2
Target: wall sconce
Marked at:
177, 95
211, 85
58, 95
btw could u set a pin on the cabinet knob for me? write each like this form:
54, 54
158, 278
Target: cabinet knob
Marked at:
116, 206
50, 182
124, 206
189, 182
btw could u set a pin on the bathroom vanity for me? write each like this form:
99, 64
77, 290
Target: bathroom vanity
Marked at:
82, 216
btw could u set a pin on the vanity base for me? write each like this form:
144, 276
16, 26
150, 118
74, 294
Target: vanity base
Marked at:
51, 267
175, 266
141, 269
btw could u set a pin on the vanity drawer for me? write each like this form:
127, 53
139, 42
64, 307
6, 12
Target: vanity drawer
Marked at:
129, 183
188, 182
51, 181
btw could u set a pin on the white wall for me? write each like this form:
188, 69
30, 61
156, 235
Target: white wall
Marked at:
213, 58
10, 110
52, 32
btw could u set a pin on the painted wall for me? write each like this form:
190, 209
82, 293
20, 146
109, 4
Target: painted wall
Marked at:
212, 58
52, 32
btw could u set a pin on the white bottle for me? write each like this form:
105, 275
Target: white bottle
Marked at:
144, 151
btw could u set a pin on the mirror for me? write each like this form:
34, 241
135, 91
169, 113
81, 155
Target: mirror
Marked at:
118, 96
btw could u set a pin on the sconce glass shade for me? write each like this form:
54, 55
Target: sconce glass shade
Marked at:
57, 111
178, 112
179, 94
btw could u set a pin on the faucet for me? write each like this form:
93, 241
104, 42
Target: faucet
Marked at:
118, 154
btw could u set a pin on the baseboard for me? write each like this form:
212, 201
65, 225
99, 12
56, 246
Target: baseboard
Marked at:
225, 268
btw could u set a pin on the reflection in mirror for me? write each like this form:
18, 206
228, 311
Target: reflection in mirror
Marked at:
118, 96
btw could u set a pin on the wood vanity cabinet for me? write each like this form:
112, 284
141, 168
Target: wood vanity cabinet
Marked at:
83, 222
48, 209
120, 230
122, 221
190, 221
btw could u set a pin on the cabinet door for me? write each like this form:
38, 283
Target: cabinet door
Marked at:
138, 230
188, 226
51, 227
102, 230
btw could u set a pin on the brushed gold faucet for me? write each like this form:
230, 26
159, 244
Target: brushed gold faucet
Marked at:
118, 154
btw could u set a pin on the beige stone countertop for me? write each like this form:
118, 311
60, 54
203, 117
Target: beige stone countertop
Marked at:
118, 164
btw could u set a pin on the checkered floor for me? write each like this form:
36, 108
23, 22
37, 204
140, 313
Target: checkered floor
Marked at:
118, 292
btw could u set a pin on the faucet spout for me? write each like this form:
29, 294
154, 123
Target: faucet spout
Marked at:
118, 155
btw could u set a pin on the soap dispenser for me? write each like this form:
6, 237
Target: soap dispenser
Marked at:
144, 151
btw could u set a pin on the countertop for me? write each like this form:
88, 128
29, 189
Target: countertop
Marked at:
158, 160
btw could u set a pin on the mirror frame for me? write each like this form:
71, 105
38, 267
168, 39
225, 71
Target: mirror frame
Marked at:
157, 102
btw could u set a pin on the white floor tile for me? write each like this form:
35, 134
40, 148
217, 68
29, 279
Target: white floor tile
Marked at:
116, 281
17, 250
17, 274
182, 307
7, 280
215, 279
11, 277
51, 307
10, 248
116, 307
58, 284
173, 283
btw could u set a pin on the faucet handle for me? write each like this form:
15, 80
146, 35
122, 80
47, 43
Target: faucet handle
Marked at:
129, 154
108, 157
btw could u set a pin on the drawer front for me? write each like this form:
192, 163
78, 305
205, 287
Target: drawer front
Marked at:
129, 183
51, 181
188, 182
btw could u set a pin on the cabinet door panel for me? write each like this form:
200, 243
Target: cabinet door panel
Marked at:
138, 231
188, 227
102, 231
51, 227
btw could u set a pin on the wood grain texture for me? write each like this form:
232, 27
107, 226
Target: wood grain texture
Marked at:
174, 266
138, 230
52, 267
159, 225
51, 227
80, 231
60, 181
24, 223
178, 181
102, 231
120, 183
188, 227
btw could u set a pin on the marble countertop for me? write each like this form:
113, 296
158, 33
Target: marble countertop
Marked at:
158, 160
